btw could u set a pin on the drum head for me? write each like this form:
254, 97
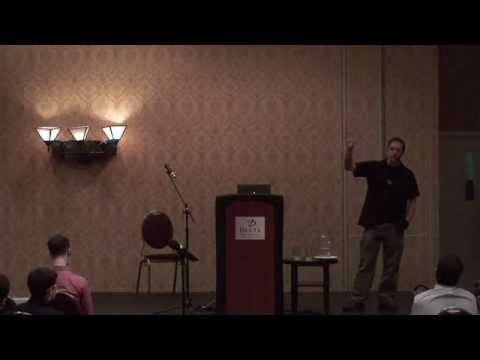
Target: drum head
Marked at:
157, 229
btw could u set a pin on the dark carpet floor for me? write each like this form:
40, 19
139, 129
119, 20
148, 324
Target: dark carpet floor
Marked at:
169, 304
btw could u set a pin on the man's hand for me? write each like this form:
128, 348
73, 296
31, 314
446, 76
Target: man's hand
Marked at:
350, 143
349, 164
402, 225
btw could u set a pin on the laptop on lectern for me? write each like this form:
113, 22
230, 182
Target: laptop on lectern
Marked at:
254, 189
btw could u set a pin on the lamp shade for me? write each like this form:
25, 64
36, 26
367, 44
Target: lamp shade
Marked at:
114, 132
79, 133
48, 133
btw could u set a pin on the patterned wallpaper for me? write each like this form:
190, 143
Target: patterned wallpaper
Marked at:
220, 115
458, 87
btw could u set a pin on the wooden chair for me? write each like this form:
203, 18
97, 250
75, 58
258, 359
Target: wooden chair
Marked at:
157, 233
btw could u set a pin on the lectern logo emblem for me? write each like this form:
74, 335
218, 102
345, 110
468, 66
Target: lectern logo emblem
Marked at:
250, 228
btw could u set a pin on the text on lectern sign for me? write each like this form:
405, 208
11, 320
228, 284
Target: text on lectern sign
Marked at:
249, 228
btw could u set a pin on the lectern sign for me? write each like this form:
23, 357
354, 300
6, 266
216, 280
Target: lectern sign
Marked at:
249, 228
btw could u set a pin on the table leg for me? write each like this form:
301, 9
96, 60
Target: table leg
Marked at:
326, 288
294, 287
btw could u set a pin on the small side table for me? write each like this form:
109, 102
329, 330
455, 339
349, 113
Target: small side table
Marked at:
325, 263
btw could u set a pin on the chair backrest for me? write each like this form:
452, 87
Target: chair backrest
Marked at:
454, 311
67, 303
157, 230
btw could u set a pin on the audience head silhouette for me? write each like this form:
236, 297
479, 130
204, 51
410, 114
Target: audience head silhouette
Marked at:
449, 270
41, 283
7, 305
4, 289
58, 245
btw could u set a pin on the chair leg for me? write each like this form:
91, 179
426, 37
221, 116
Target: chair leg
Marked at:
174, 289
140, 268
149, 277
183, 286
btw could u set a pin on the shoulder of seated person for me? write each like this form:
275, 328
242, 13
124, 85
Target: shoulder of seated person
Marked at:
424, 294
10, 302
78, 277
467, 292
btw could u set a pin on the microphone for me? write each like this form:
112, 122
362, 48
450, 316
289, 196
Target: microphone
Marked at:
170, 172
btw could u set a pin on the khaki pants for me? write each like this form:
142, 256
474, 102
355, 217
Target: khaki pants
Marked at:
392, 241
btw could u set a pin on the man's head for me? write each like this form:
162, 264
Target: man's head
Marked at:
4, 289
41, 283
449, 270
58, 245
395, 149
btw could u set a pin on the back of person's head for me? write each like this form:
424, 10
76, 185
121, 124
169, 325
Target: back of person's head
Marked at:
58, 245
40, 281
4, 287
449, 270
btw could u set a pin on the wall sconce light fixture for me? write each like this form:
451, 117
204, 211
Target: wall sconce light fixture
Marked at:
114, 132
79, 133
81, 148
48, 134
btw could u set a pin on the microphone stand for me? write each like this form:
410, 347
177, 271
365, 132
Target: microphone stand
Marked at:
187, 215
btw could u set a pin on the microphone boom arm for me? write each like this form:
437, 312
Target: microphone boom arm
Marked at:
187, 210
186, 250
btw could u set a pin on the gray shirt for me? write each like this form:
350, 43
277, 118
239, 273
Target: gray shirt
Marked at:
433, 301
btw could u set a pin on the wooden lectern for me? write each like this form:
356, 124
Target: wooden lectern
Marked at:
249, 230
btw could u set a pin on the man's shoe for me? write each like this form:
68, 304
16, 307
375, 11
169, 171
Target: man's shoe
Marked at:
354, 306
